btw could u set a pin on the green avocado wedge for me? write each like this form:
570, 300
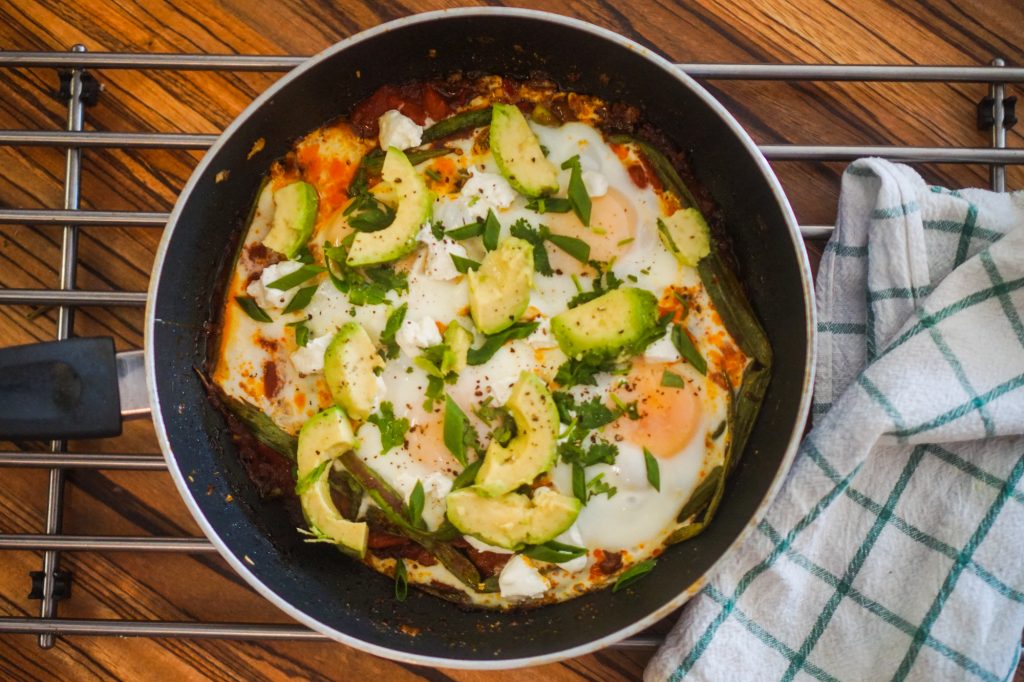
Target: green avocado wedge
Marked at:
511, 521
608, 324
349, 364
325, 437
415, 203
295, 207
499, 291
518, 154
532, 451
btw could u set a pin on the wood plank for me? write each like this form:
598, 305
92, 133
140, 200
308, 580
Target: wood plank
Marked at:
182, 587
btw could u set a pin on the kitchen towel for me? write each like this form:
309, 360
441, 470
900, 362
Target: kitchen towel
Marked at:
895, 549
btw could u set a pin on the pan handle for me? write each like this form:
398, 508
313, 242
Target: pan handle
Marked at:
79, 388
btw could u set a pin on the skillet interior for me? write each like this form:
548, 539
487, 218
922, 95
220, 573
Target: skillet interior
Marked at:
346, 597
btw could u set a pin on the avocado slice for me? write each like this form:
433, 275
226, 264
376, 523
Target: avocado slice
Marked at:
685, 233
518, 154
349, 364
532, 451
499, 291
415, 203
295, 207
325, 437
608, 324
511, 521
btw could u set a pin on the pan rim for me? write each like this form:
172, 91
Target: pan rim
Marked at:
803, 409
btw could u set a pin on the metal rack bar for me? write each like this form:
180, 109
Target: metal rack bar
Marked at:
82, 460
910, 73
69, 298
139, 628
95, 138
46, 216
104, 543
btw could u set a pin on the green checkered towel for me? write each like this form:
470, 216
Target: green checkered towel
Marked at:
894, 550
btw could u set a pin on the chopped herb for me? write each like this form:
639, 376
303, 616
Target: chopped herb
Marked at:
303, 255
599, 452
466, 231
578, 197
604, 281
401, 580
582, 371
365, 213
294, 279
579, 482
598, 486
464, 265
301, 334
416, 501
522, 229
389, 347
467, 475
504, 426
363, 286
307, 481
634, 573
653, 471
549, 205
684, 344
672, 380
554, 552
627, 240
719, 430
301, 299
437, 230
432, 174
520, 330
252, 309
577, 248
438, 362
455, 429
492, 229
392, 430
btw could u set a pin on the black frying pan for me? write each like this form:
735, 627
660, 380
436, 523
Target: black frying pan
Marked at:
347, 600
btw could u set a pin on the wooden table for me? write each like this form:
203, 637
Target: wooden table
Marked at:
180, 587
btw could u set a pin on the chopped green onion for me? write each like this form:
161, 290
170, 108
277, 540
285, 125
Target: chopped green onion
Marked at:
578, 197
627, 240
401, 580
466, 231
633, 574
672, 380
252, 309
478, 356
492, 228
416, 500
684, 344
577, 248
455, 429
467, 475
301, 299
554, 552
719, 430
432, 174
294, 279
301, 333
549, 205
653, 472
464, 265
579, 482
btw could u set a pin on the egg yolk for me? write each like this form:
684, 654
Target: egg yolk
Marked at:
425, 443
612, 222
668, 415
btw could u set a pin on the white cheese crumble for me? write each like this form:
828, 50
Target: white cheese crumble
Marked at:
416, 334
398, 130
490, 189
662, 350
438, 264
481, 546
266, 297
310, 358
519, 578
596, 183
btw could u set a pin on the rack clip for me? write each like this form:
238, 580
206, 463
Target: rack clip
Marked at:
91, 88
61, 585
986, 112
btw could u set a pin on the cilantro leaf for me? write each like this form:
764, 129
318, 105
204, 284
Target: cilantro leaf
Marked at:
520, 330
392, 429
387, 336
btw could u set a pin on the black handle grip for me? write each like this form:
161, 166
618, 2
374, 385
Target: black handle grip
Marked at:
60, 389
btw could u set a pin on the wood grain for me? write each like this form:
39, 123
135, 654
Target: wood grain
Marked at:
202, 587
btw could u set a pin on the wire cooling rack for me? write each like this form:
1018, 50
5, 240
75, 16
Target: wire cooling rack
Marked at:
80, 88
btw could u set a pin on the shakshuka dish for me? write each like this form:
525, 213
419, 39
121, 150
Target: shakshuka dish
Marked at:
487, 334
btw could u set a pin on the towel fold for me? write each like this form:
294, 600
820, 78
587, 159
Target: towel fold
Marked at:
894, 549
